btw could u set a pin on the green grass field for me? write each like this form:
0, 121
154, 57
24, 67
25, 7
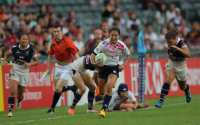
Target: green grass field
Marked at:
175, 111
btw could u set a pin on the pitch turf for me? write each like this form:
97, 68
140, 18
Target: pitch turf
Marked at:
175, 111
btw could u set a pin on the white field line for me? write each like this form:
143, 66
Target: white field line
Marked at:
81, 115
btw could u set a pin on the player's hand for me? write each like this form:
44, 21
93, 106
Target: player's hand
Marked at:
121, 67
27, 64
4, 63
47, 71
175, 47
98, 64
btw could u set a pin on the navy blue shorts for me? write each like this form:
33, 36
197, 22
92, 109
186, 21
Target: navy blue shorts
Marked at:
107, 70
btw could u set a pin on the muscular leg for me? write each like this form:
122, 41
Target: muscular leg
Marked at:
185, 87
170, 75
20, 93
13, 94
90, 84
58, 84
102, 86
95, 78
78, 80
111, 81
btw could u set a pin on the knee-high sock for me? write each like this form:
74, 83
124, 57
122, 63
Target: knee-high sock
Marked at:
107, 99
164, 91
90, 100
55, 99
76, 100
11, 103
19, 100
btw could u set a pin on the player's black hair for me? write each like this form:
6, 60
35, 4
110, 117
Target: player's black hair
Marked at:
171, 34
21, 34
115, 29
57, 26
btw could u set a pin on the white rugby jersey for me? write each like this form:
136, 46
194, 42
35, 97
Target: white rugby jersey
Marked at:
116, 100
112, 51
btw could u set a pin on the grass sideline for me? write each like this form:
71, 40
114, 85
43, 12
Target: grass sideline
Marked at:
175, 111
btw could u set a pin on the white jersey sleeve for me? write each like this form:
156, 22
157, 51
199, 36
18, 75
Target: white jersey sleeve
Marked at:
131, 96
100, 47
126, 50
112, 102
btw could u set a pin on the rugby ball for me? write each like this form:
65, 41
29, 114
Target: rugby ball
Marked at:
100, 58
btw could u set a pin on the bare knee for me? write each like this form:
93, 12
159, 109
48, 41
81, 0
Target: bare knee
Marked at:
92, 88
58, 89
13, 93
169, 80
82, 91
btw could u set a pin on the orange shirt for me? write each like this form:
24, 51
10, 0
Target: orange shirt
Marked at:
63, 50
4, 16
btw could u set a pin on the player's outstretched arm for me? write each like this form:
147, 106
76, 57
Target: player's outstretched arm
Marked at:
7, 54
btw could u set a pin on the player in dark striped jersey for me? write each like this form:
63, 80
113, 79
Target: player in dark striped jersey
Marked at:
82, 79
23, 53
176, 66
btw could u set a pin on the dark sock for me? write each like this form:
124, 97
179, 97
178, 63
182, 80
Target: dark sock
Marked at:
55, 99
90, 100
66, 88
164, 91
138, 106
186, 90
107, 99
19, 100
76, 100
11, 103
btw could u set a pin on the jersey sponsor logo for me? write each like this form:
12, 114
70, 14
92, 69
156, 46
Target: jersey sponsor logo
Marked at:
61, 44
170, 53
114, 71
21, 57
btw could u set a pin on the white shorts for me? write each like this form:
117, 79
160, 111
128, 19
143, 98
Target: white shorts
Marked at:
62, 72
180, 70
22, 79
78, 67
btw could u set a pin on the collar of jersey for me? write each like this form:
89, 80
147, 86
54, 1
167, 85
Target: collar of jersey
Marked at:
112, 43
26, 47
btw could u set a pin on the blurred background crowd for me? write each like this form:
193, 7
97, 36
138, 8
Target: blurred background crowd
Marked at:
87, 22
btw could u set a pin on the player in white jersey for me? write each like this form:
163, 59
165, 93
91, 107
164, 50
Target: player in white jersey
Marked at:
109, 73
23, 53
124, 100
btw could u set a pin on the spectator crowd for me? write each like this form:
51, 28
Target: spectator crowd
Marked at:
39, 25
